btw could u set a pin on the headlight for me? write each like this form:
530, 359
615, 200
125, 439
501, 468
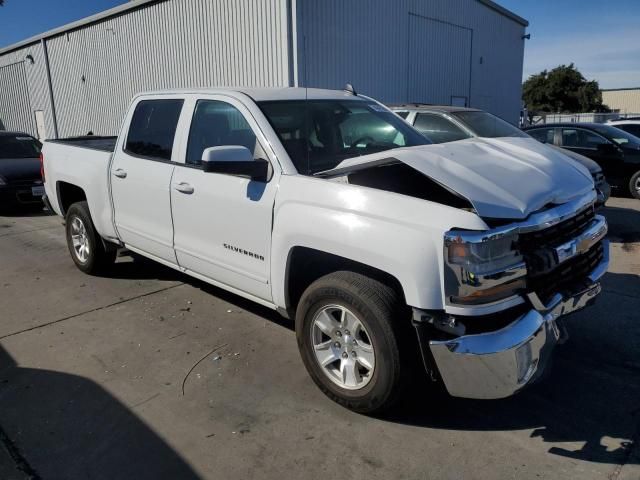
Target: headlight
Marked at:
485, 268
483, 256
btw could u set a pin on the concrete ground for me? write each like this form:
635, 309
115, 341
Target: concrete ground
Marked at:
149, 374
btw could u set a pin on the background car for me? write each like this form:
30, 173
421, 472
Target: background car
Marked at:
20, 178
631, 126
616, 151
443, 124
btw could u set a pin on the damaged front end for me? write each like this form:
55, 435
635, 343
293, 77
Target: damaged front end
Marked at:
505, 290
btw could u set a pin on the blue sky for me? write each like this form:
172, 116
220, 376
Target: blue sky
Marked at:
602, 37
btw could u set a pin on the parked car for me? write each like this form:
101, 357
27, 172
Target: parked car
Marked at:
616, 151
628, 125
20, 179
387, 251
442, 124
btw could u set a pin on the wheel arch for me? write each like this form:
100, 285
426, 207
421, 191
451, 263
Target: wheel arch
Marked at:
305, 265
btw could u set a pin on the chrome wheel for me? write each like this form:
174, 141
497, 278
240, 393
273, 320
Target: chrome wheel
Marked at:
342, 347
80, 240
637, 185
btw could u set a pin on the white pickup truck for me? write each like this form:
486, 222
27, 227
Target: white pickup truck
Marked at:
389, 252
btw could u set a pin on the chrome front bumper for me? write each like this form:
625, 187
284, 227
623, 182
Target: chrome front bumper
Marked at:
498, 364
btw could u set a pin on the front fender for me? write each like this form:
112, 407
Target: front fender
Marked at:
397, 234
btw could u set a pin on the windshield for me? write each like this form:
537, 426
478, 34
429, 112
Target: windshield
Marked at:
483, 124
319, 134
19, 146
619, 136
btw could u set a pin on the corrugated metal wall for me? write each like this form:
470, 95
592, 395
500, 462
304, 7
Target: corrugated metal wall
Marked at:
373, 44
96, 69
394, 50
36, 86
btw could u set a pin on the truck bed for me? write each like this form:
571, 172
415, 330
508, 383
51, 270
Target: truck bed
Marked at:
105, 144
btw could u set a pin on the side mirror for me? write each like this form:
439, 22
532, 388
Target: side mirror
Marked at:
234, 160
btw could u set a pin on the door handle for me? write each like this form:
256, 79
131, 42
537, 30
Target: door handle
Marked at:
184, 188
120, 173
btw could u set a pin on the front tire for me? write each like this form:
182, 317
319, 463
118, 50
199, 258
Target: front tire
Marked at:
634, 185
84, 242
349, 339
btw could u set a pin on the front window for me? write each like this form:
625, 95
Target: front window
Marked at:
319, 134
579, 138
215, 124
438, 129
19, 146
615, 134
483, 124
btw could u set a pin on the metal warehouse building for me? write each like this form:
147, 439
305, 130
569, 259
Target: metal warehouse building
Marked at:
80, 77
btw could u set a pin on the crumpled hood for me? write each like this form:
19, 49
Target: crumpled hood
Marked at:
501, 177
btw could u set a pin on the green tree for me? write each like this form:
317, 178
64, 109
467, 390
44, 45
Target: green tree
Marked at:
563, 89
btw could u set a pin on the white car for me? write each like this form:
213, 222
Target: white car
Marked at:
325, 206
631, 126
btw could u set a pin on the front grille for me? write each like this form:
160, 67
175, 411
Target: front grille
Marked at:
557, 234
544, 275
568, 276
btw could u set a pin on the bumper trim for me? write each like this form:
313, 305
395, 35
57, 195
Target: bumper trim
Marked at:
498, 364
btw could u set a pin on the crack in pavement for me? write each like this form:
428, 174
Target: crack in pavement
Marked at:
75, 315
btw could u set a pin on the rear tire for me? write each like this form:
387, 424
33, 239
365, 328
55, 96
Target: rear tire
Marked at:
634, 185
348, 328
85, 245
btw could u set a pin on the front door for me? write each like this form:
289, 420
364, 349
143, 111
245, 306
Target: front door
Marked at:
596, 147
141, 173
223, 222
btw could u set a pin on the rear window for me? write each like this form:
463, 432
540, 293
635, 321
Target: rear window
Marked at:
19, 146
438, 129
153, 128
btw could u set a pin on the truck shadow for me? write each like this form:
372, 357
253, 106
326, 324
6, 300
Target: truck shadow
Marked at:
590, 400
57, 425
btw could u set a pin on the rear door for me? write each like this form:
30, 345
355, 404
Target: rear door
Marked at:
141, 172
223, 222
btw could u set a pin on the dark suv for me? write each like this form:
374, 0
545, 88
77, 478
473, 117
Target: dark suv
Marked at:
616, 151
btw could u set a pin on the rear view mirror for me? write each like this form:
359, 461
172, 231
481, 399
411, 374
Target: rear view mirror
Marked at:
234, 160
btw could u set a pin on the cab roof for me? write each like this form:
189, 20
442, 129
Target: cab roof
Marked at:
269, 94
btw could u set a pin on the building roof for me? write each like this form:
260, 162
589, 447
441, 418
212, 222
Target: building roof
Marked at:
618, 89
134, 4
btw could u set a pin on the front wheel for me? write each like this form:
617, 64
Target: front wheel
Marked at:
85, 245
634, 185
349, 340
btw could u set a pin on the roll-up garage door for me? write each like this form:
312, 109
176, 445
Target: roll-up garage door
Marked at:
439, 62
15, 109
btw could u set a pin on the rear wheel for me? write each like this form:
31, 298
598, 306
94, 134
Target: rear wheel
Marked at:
634, 185
86, 248
349, 340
